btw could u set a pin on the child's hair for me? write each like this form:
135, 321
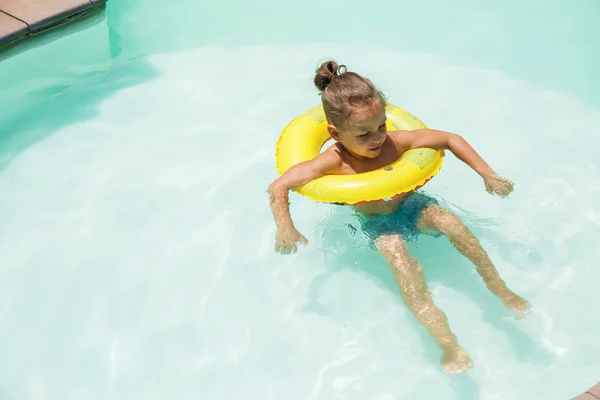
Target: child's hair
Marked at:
343, 92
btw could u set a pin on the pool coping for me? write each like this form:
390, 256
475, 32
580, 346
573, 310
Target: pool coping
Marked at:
22, 19
591, 394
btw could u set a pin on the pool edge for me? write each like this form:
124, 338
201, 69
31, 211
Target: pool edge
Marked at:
591, 394
22, 30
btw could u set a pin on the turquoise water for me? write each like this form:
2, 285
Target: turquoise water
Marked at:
136, 239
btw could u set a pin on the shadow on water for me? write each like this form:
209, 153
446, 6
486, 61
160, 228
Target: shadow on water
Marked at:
68, 103
344, 244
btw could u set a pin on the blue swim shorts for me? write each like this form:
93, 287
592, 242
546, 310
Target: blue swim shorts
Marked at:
403, 221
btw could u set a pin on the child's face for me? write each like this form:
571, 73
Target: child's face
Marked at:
364, 132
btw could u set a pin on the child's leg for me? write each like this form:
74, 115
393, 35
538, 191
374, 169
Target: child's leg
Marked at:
439, 219
409, 277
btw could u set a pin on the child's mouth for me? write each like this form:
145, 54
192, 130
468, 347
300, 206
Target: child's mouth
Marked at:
375, 148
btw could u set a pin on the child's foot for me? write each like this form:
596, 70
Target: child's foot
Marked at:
456, 361
517, 304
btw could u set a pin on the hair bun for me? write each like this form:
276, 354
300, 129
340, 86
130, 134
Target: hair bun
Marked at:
327, 72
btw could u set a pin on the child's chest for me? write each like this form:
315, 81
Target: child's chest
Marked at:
388, 155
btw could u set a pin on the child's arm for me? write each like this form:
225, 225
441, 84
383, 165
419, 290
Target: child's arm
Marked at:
287, 235
435, 139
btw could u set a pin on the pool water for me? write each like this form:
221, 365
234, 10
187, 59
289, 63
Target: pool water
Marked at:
137, 241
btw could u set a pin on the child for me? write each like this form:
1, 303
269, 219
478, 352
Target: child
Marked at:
355, 112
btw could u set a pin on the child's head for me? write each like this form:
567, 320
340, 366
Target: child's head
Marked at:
354, 108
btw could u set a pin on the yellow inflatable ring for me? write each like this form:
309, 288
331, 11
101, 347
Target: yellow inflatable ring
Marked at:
303, 138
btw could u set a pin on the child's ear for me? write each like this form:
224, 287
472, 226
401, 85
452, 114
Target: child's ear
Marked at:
333, 132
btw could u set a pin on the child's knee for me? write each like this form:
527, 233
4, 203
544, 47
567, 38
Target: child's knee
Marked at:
393, 249
389, 245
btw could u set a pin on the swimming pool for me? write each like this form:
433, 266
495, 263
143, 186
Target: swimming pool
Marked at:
136, 236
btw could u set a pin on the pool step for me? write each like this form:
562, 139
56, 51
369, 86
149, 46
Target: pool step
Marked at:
592, 394
20, 19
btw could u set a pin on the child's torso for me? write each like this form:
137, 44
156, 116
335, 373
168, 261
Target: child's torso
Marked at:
351, 165
379, 208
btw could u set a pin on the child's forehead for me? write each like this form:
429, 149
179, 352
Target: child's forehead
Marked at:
367, 116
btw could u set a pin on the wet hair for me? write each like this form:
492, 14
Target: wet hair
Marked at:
343, 92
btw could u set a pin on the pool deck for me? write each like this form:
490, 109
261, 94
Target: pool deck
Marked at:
592, 394
20, 19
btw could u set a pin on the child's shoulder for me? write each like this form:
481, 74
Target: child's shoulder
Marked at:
400, 138
331, 159
398, 135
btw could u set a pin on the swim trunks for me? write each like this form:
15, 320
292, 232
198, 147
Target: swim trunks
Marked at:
403, 221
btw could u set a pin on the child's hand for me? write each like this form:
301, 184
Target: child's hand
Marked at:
495, 184
286, 240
